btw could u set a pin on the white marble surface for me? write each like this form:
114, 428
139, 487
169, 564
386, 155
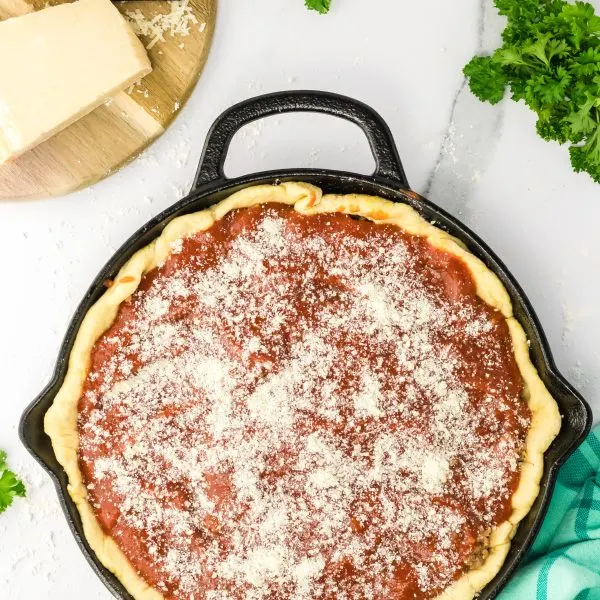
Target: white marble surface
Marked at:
483, 164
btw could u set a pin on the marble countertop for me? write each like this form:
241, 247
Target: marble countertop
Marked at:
484, 164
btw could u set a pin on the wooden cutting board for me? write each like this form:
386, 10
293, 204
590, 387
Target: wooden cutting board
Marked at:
115, 133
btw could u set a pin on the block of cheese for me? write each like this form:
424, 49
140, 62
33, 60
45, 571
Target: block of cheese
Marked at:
60, 63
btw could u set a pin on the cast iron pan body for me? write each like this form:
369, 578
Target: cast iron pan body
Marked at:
388, 181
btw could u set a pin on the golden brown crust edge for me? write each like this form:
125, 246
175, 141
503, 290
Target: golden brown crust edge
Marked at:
61, 418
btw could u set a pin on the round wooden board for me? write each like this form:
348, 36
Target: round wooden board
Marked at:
115, 133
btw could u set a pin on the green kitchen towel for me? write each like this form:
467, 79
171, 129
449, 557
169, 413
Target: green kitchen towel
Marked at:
564, 562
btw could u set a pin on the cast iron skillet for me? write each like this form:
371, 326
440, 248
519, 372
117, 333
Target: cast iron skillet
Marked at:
389, 181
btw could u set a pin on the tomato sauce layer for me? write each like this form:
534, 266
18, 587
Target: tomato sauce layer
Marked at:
300, 407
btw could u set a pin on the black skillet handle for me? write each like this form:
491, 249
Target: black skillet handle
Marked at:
387, 161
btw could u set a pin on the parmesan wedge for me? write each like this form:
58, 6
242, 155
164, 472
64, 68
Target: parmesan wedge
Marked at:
59, 64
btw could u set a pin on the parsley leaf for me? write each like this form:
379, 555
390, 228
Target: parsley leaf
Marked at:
550, 59
10, 486
581, 120
486, 79
321, 6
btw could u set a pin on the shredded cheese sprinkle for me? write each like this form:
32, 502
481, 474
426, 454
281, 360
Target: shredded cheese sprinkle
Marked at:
300, 410
177, 22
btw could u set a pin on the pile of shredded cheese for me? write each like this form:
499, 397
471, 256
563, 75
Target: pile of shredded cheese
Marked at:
178, 22
301, 407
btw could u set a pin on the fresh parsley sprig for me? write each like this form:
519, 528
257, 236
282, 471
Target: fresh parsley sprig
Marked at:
321, 6
550, 59
10, 485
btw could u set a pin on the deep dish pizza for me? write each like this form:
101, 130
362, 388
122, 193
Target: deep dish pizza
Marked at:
292, 395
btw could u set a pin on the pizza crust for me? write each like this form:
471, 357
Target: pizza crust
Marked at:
61, 418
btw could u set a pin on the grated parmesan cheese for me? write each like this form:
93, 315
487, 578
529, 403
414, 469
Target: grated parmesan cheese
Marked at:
176, 23
278, 407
